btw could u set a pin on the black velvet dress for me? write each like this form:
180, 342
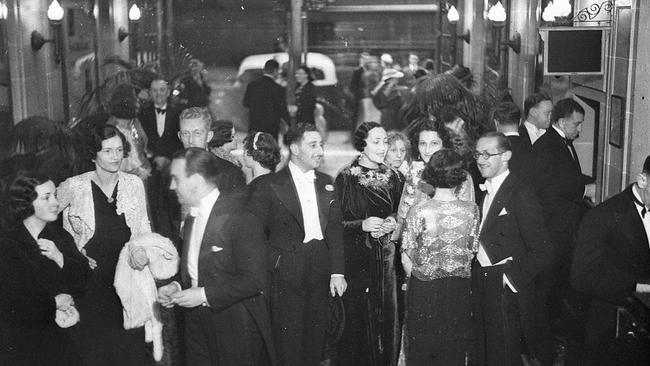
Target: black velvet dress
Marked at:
371, 335
100, 334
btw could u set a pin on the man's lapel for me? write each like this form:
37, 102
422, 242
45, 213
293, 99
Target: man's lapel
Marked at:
214, 226
324, 198
498, 203
629, 221
286, 191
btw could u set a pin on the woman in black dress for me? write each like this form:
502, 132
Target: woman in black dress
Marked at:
305, 96
369, 192
41, 271
103, 208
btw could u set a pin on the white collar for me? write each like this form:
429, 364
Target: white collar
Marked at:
531, 127
638, 197
164, 106
298, 174
206, 204
560, 132
511, 133
497, 181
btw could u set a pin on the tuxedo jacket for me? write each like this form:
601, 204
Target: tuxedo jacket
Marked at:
231, 267
611, 256
167, 144
230, 177
514, 227
267, 105
560, 185
525, 137
275, 202
612, 252
521, 159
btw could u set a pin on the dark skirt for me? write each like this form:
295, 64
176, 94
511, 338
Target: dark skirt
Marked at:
438, 322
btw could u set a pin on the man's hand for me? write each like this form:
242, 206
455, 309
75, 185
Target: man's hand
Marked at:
338, 285
190, 298
590, 191
165, 294
63, 301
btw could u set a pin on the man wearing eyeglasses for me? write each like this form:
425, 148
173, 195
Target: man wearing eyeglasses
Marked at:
514, 247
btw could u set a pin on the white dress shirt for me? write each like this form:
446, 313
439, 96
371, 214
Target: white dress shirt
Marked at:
492, 186
533, 132
306, 188
201, 215
160, 120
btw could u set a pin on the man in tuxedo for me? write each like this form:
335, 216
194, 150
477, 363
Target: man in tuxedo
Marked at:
195, 131
537, 111
611, 257
222, 272
266, 102
514, 247
506, 117
561, 187
301, 214
160, 123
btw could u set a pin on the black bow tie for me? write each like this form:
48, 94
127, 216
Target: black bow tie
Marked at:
161, 110
638, 202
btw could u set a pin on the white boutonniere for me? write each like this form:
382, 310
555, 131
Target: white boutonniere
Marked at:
329, 188
215, 249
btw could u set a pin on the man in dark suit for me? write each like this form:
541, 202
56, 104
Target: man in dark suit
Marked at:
300, 212
514, 248
266, 102
506, 117
222, 272
160, 123
560, 186
537, 113
195, 131
611, 256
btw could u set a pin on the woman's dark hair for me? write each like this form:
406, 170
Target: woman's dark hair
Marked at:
310, 75
222, 133
105, 132
425, 124
361, 134
21, 193
124, 102
444, 170
261, 146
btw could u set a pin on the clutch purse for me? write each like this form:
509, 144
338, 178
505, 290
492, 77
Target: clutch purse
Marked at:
67, 318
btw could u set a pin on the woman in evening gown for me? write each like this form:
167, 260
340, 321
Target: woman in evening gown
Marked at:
103, 208
438, 244
369, 193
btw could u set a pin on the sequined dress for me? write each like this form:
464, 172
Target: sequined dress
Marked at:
371, 335
441, 238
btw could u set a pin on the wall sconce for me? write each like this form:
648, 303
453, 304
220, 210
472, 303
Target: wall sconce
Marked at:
465, 36
497, 13
515, 43
134, 16
55, 14
452, 15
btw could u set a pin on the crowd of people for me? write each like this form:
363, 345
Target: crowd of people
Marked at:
441, 244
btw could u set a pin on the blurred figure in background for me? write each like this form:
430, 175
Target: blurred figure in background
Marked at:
303, 110
223, 142
388, 97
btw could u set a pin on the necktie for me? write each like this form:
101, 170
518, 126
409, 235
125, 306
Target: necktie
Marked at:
187, 235
643, 208
161, 110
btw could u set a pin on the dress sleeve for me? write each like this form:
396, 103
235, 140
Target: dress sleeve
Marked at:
414, 225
